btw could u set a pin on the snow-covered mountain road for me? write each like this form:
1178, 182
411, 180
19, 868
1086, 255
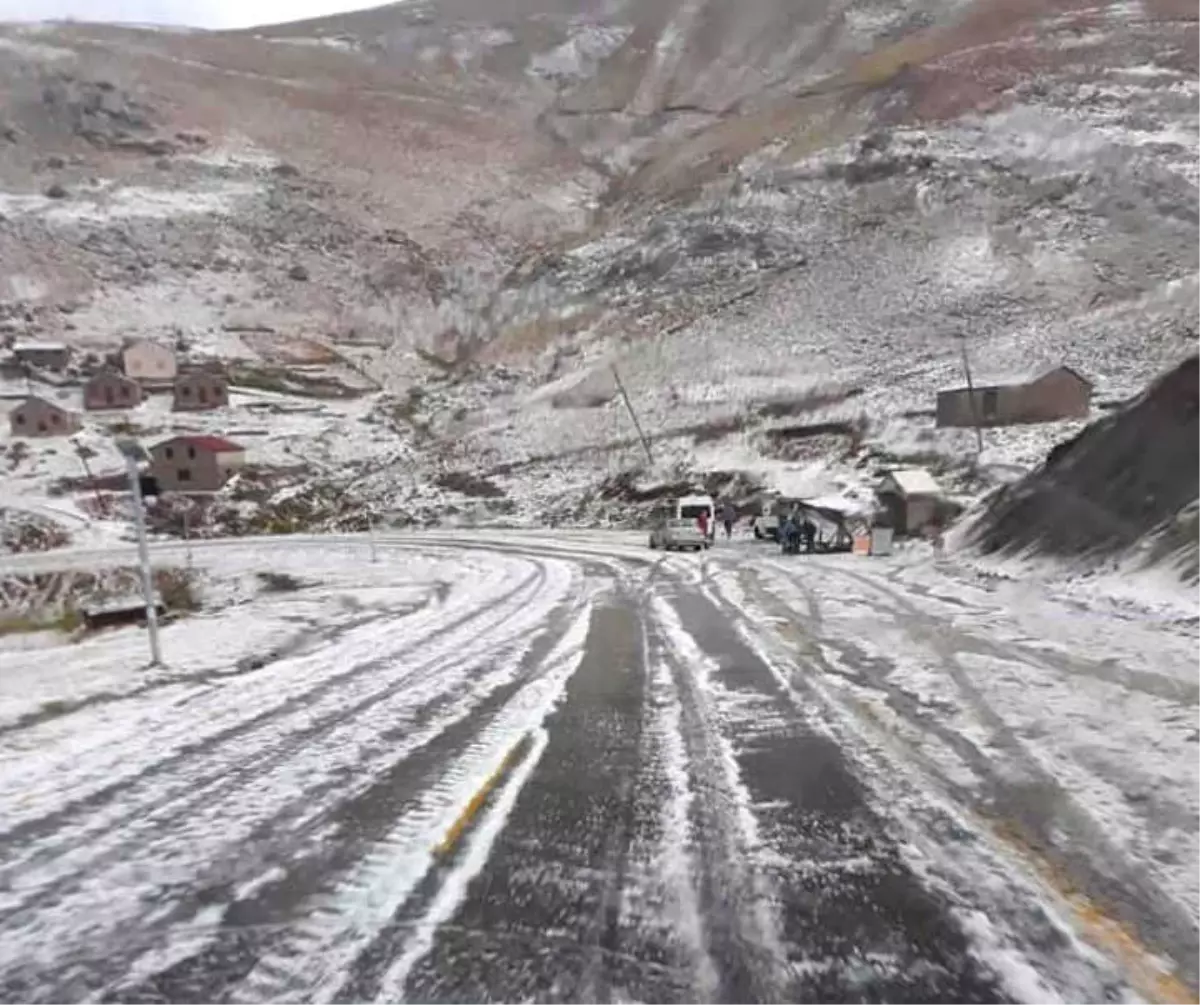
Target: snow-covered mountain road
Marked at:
530, 768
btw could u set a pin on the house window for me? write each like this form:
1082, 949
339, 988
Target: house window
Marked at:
20, 420
192, 453
203, 393
186, 390
55, 419
108, 394
41, 427
125, 392
991, 403
185, 474
169, 452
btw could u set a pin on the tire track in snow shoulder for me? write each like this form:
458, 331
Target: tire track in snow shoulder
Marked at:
1047, 816
855, 919
207, 820
217, 719
1017, 928
135, 806
324, 951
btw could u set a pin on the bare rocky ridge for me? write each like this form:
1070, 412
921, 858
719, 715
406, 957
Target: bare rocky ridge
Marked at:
739, 203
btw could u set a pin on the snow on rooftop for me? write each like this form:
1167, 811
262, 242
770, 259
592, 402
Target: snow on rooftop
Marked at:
1000, 377
914, 482
39, 347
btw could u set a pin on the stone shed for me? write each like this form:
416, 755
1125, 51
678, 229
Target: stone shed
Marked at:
911, 497
1049, 396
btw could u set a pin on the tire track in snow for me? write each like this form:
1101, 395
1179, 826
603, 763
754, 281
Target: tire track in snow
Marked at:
298, 934
666, 902
301, 700
1016, 925
742, 937
1047, 816
835, 912
299, 645
550, 894
897, 596
519, 602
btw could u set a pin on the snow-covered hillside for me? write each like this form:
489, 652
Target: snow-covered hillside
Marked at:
781, 227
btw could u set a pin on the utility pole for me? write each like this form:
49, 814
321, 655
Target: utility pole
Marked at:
133, 453
632, 414
971, 395
101, 507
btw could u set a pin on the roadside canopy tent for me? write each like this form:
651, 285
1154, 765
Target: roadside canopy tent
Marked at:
833, 525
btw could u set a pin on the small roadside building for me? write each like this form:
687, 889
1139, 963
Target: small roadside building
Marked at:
37, 417
43, 355
199, 391
109, 389
1049, 396
148, 361
911, 499
199, 463
115, 613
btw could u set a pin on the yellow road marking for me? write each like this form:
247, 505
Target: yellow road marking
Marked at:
1144, 969
445, 848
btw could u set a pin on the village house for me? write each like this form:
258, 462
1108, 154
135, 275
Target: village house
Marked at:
197, 463
911, 498
109, 389
43, 355
199, 391
1051, 396
36, 417
148, 361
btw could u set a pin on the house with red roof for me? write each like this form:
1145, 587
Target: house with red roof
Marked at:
200, 463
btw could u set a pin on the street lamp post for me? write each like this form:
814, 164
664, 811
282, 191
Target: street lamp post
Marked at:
133, 453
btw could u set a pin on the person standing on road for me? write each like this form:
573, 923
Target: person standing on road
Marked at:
728, 516
702, 523
809, 530
789, 535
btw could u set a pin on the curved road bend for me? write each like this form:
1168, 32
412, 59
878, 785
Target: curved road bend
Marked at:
583, 772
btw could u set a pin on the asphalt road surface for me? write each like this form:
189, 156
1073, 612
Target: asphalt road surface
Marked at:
582, 773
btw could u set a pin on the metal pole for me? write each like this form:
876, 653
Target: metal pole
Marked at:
971, 395
632, 414
139, 519
101, 507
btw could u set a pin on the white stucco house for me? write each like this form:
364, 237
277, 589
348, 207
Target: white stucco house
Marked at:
150, 361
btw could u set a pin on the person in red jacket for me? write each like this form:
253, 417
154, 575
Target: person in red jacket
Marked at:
702, 523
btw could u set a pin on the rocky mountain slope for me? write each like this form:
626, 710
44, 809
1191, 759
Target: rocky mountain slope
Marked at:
780, 221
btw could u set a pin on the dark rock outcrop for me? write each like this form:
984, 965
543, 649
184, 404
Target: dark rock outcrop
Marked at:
1127, 482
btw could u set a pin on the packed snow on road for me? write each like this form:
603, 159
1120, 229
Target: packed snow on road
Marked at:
505, 766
